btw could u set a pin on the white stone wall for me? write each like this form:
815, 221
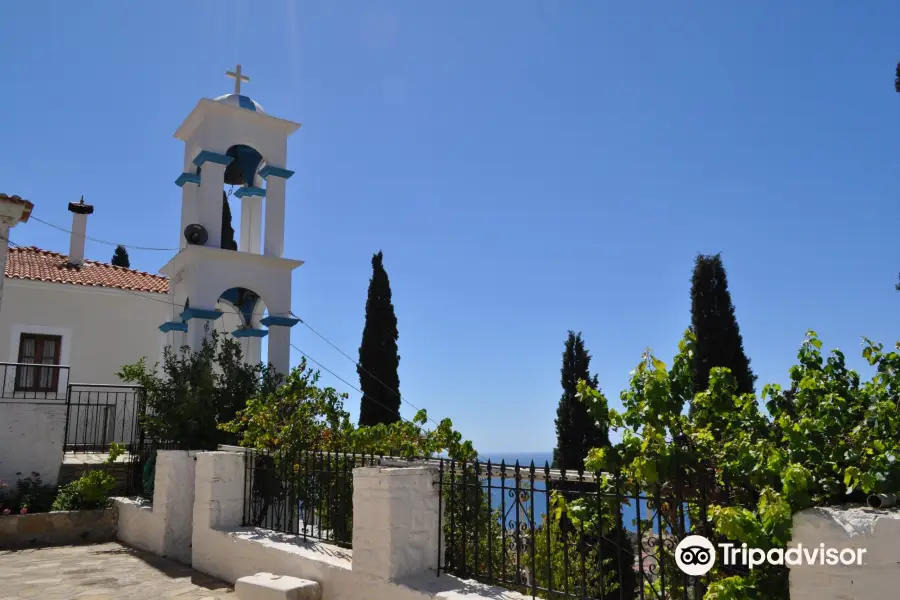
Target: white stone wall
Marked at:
31, 439
875, 531
394, 514
139, 526
166, 527
395, 537
395, 521
173, 497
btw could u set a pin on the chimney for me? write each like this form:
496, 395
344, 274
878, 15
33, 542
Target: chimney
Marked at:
79, 211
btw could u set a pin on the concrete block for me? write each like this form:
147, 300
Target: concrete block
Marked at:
266, 586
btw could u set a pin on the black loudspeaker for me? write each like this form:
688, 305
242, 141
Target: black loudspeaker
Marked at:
196, 234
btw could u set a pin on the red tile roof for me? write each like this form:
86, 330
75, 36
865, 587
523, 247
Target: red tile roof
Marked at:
42, 265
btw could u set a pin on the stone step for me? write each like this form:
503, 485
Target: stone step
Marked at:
266, 586
70, 472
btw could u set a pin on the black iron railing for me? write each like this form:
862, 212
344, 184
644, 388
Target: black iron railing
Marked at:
29, 383
98, 415
550, 534
310, 495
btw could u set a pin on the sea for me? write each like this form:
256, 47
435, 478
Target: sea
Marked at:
501, 501
524, 458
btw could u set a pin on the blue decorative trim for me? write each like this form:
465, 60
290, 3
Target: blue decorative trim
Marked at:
276, 321
275, 171
250, 191
244, 300
173, 326
187, 178
214, 157
200, 313
246, 102
249, 333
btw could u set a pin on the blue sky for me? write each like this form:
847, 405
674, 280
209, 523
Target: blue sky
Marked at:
526, 167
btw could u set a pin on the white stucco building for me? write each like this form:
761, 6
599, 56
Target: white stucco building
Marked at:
92, 316
80, 320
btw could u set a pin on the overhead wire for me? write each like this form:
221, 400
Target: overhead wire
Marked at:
359, 366
107, 242
359, 391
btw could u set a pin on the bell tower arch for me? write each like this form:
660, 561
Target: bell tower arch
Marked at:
230, 140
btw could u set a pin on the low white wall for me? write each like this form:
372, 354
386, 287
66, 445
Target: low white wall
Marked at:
31, 439
173, 496
165, 528
875, 531
139, 526
395, 511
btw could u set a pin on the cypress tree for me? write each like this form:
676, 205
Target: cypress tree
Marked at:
576, 433
228, 242
120, 257
719, 342
378, 357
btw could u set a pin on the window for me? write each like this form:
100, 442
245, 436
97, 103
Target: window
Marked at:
38, 350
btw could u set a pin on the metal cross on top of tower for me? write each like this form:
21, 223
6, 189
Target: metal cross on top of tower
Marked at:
238, 78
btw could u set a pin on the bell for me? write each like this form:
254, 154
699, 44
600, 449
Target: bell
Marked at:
242, 170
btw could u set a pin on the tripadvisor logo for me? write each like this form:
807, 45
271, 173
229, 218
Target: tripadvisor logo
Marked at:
695, 555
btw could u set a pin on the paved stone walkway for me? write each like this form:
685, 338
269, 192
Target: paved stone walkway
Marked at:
102, 572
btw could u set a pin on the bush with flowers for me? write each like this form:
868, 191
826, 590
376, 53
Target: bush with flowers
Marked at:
27, 495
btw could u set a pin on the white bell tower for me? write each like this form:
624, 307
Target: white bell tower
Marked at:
243, 292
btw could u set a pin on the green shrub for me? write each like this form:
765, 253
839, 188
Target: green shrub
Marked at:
92, 490
831, 438
190, 393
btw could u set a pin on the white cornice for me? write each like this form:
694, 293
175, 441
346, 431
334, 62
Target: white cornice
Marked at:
190, 253
205, 105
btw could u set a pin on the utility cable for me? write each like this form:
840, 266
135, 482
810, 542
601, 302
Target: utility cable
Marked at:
359, 391
107, 242
366, 371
